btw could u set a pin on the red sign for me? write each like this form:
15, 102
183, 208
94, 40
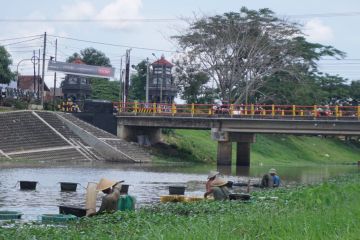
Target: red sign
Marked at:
104, 71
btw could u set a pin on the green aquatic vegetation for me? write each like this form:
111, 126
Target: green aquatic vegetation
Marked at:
330, 210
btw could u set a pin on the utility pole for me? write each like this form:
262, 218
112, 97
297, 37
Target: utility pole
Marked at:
54, 95
127, 75
120, 82
33, 60
161, 85
38, 75
43, 72
147, 81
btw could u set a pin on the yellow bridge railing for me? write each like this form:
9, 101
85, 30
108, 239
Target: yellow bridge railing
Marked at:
238, 110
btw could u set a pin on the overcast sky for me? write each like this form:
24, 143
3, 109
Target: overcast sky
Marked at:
327, 22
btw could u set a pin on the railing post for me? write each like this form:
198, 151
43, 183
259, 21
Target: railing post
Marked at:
315, 111
119, 107
173, 109
135, 107
337, 111
192, 109
282, 112
264, 112
210, 111
358, 112
252, 110
231, 109
245, 110
302, 113
294, 110
273, 110
154, 108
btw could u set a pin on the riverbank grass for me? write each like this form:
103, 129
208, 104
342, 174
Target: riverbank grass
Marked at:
270, 149
330, 210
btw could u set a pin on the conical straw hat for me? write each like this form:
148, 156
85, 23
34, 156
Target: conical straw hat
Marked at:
218, 182
272, 170
212, 174
104, 184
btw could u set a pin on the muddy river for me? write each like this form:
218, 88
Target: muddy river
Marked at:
147, 182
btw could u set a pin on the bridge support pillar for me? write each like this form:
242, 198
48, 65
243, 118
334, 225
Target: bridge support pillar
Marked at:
131, 134
243, 147
243, 154
224, 153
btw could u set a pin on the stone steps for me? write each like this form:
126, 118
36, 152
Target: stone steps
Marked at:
40, 135
132, 150
55, 155
23, 131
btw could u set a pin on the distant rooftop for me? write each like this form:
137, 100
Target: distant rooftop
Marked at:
162, 61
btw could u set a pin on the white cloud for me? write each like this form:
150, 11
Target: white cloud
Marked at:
317, 31
77, 10
124, 9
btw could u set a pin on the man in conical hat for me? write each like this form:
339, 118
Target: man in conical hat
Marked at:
111, 188
271, 179
211, 177
219, 189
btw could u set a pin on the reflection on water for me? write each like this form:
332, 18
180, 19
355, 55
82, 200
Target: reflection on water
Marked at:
147, 182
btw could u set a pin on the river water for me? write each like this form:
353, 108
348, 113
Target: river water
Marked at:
147, 182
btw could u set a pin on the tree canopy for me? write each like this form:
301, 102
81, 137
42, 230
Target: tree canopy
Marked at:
5, 62
138, 82
248, 52
91, 56
192, 82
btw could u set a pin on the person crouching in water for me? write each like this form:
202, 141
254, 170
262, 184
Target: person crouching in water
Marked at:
109, 202
271, 179
219, 189
211, 177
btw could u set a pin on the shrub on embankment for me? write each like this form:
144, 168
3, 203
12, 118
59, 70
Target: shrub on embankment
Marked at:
270, 149
330, 210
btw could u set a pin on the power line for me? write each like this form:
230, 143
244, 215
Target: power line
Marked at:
29, 46
144, 20
21, 41
343, 14
114, 45
154, 20
9, 39
347, 59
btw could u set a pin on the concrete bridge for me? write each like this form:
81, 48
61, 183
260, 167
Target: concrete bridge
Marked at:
228, 128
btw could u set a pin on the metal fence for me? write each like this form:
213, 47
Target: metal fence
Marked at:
239, 110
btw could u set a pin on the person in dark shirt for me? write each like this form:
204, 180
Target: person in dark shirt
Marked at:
270, 179
109, 202
219, 189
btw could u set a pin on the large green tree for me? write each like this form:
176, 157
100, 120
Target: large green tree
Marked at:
242, 51
193, 83
91, 56
355, 90
105, 89
138, 82
5, 62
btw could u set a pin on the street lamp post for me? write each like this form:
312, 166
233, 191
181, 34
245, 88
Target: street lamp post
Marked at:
147, 81
17, 70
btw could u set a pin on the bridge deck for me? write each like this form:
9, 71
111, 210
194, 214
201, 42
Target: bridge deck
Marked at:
248, 124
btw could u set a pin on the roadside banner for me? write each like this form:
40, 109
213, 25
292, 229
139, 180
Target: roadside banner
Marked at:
81, 69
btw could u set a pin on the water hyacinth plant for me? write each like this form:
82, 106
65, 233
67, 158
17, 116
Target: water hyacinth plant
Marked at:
330, 210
